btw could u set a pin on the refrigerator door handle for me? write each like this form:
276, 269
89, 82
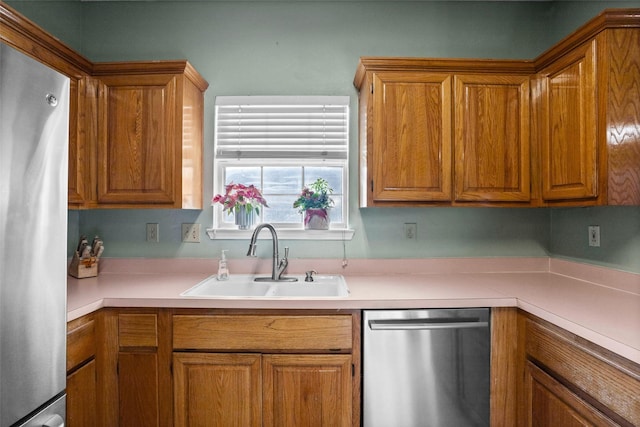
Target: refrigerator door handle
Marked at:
425, 324
54, 421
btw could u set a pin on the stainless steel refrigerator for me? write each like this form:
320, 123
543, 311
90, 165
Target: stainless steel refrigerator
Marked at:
34, 123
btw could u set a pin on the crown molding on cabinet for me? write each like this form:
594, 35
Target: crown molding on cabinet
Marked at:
24, 35
150, 67
609, 18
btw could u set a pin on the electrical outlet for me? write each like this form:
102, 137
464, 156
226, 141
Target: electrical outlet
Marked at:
594, 236
191, 233
153, 233
410, 231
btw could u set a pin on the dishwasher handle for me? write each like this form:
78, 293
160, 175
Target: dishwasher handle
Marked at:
426, 324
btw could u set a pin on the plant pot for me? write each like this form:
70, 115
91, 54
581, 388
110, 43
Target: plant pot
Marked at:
316, 219
245, 218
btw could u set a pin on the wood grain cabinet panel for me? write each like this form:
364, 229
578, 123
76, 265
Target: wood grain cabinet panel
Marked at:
266, 370
444, 132
307, 390
492, 158
149, 135
138, 330
134, 369
410, 152
569, 381
137, 151
568, 126
266, 332
586, 119
622, 47
81, 397
81, 372
552, 404
562, 129
138, 389
217, 390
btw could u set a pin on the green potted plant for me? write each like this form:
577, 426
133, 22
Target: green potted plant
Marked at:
314, 202
242, 200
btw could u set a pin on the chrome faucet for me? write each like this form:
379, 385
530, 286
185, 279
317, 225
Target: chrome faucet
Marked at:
278, 266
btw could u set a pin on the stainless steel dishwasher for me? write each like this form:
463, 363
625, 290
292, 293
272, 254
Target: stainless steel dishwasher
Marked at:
426, 368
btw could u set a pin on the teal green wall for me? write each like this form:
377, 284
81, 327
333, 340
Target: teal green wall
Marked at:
312, 47
619, 235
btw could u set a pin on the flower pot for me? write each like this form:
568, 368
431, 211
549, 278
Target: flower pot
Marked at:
316, 219
245, 218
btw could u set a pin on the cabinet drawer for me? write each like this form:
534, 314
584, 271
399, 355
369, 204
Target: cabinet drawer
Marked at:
611, 382
554, 404
138, 330
81, 344
262, 332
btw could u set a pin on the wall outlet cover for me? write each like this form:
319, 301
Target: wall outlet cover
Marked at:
153, 233
411, 231
191, 233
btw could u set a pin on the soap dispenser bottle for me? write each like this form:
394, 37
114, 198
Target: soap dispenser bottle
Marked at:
223, 270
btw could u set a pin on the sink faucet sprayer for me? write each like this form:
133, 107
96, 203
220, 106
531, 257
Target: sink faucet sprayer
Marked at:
278, 266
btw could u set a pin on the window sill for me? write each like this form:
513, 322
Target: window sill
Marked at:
283, 234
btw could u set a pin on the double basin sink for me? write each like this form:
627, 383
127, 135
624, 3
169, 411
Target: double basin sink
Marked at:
245, 286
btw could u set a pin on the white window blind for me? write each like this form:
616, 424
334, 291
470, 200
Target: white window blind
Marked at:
270, 127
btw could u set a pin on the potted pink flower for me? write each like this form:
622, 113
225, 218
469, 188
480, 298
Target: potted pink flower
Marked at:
242, 200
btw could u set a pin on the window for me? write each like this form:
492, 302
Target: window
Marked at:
280, 144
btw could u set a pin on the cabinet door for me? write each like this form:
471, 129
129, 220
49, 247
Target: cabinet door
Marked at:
138, 143
307, 390
492, 138
410, 155
567, 116
217, 390
552, 404
81, 397
81, 372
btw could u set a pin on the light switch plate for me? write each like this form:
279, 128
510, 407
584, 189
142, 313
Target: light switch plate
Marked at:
594, 236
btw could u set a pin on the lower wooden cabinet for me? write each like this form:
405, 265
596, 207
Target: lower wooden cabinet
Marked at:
165, 367
81, 373
307, 390
569, 381
217, 389
134, 363
81, 396
269, 369
190, 368
243, 390
553, 404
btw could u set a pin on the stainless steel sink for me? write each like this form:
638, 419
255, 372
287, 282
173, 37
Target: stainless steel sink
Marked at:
244, 286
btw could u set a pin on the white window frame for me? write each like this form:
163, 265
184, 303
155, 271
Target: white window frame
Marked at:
222, 230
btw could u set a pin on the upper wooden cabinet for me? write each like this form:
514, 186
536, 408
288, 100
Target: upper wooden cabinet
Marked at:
586, 120
562, 129
149, 118
566, 99
492, 138
409, 151
418, 115
24, 35
135, 128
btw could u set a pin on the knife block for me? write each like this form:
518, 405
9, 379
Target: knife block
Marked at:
81, 268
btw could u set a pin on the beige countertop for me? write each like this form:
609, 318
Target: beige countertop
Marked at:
598, 304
